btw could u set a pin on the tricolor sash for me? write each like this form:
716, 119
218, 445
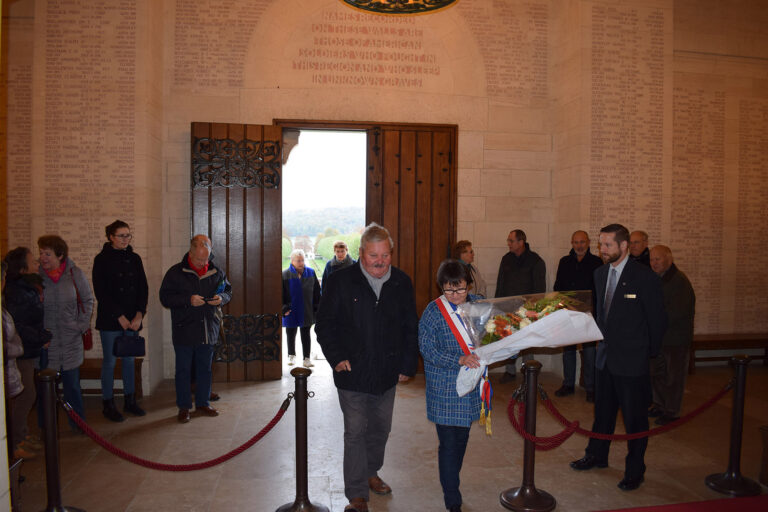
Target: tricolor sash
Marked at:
464, 340
455, 324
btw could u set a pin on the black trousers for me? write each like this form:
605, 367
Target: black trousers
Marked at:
306, 340
631, 395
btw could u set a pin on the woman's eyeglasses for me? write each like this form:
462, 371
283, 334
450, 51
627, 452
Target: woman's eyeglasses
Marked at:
457, 291
124, 237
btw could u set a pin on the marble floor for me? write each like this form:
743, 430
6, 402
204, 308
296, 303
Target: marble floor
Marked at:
263, 477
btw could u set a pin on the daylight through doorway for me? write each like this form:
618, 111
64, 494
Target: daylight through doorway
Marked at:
324, 190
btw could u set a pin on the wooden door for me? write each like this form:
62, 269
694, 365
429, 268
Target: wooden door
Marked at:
236, 201
412, 192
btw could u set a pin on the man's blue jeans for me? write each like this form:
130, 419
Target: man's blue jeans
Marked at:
201, 357
450, 456
108, 365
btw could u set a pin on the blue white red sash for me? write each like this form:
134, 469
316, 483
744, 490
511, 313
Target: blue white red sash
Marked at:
455, 324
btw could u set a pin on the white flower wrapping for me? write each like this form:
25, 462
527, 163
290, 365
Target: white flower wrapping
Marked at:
561, 328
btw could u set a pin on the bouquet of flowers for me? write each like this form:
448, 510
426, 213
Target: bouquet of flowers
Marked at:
502, 327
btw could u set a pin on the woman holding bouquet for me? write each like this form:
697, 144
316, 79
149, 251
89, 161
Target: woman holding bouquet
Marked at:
446, 348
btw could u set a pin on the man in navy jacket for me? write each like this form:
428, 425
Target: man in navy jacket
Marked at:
630, 314
193, 290
367, 326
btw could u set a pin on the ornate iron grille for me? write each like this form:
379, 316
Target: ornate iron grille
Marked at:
399, 6
249, 338
229, 163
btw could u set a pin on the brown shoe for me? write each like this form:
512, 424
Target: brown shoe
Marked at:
207, 410
183, 416
356, 505
214, 397
378, 485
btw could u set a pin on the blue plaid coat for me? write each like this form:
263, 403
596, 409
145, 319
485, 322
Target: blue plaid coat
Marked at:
441, 353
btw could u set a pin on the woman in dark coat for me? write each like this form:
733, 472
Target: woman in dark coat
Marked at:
23, 298
120, 285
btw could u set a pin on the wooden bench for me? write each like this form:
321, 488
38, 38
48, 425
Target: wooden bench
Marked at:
733, 342
91, 370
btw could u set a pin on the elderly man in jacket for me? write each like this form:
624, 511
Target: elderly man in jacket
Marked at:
194, 289
367, 326
669, 368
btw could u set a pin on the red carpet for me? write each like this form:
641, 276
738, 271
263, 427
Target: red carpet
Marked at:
751, 504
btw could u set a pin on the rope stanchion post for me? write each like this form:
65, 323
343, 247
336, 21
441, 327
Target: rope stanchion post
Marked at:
302, 503
47, 396
732, 482
526, 497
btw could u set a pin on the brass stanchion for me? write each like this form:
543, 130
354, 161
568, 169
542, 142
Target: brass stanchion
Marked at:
47, 396
732, 482
526, 497
302, 502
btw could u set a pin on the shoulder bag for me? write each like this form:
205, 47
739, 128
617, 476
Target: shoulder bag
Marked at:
88, 334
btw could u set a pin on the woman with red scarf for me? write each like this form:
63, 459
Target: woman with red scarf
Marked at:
67, 304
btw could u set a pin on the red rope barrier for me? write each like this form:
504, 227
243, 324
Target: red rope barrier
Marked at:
515, 409
174, 467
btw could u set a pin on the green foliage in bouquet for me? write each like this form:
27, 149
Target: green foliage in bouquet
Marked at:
506, 324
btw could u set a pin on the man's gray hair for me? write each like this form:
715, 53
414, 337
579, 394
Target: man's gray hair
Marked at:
298, 252
375, 233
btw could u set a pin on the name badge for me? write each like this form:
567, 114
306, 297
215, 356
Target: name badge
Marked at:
630, 296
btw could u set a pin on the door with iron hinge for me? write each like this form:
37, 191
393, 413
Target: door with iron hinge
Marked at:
236, 201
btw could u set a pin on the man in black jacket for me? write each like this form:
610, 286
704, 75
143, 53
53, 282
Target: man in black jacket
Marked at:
630, 315
367, 326
638, 247
193, 290
521, 272
575, 273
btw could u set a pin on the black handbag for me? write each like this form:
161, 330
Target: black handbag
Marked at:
128, 346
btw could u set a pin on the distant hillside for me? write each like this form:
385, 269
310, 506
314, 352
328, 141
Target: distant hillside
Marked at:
313, 222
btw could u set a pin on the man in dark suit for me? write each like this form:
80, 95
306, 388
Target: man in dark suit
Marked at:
630, 314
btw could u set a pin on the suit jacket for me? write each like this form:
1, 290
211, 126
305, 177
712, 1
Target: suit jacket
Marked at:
636, 320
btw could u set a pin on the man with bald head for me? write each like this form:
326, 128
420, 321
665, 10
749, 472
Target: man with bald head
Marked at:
574, 272
638, 247
669, 368
194, 290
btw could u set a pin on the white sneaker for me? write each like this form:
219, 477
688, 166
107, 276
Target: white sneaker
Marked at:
291, 360
308, 363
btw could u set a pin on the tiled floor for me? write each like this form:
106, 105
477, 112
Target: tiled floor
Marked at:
262, 478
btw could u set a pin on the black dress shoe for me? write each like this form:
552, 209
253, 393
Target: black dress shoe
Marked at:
588, 462
564, 390
591, 397
654, 412
665, 418
630, 484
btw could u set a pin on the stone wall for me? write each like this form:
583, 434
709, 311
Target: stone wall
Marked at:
572, 114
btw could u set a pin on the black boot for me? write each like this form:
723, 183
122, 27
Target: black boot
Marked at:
132, 407
110, 411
